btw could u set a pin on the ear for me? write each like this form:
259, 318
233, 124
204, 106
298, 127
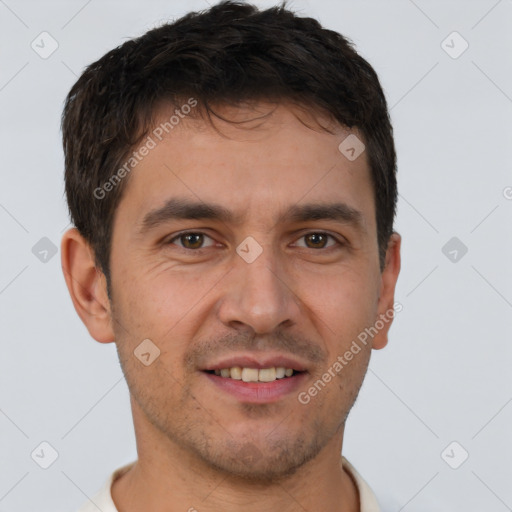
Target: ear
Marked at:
389, 276
87, 286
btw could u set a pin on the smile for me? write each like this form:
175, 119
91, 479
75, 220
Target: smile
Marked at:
254, 374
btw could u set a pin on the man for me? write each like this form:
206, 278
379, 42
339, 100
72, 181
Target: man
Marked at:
231, 177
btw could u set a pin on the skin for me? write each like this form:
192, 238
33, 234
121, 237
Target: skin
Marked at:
309, 297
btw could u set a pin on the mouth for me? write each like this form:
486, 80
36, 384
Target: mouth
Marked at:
254, 374
254, 380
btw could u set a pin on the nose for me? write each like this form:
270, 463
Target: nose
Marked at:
259, 295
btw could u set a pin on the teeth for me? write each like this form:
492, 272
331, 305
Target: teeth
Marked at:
250, 375
255, 375
280, 372
267, 375
236, 373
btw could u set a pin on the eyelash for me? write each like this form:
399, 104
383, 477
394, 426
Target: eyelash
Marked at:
339, 243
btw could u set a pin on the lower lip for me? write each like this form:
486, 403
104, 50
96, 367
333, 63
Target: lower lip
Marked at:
258, 392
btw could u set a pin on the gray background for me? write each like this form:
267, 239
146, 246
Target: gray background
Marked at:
445, 375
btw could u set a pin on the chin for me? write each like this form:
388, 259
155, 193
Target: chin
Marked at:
261, 462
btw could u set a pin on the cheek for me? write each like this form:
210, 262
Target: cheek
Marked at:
166, 305
344, 302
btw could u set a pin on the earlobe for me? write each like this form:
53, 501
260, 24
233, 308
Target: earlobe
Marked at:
389, 277
86, 285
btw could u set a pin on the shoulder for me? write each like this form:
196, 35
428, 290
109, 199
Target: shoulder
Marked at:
367, 498
102, 500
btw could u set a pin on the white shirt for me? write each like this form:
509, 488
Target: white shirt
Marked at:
103, 499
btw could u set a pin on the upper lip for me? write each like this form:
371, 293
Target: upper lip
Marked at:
258, 361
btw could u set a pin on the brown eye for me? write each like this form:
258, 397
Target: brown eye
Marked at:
191, 240
316, 240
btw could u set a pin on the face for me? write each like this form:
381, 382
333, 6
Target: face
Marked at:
247, 254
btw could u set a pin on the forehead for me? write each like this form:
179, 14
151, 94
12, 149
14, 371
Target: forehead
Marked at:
266, 156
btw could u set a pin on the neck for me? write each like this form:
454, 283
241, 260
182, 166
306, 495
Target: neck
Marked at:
168, 478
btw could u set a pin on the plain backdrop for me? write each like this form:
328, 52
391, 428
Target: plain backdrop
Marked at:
440, 391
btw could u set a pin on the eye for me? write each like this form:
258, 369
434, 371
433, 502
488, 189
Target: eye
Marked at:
318, 240
191, 240
195, 240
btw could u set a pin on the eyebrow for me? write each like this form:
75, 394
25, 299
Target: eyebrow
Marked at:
183, 209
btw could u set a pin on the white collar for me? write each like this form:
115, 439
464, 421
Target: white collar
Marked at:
103, 499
